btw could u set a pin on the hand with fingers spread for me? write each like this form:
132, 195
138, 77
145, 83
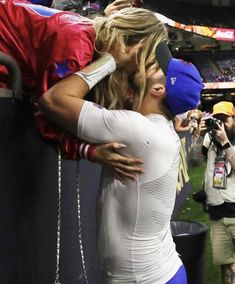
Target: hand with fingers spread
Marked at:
116, 6
125, 167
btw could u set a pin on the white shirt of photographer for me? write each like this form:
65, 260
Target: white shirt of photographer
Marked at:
134, 238
217, 196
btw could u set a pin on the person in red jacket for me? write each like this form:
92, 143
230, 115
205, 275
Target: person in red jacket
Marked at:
49, 45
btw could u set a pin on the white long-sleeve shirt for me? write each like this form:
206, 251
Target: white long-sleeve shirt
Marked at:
134, 239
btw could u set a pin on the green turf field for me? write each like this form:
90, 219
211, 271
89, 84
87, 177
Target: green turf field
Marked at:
192, 210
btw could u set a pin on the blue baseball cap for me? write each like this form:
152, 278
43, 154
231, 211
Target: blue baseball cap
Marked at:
183, 81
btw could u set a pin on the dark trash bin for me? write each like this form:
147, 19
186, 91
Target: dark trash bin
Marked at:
190, 240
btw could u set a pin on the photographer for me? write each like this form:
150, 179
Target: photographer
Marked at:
216, 144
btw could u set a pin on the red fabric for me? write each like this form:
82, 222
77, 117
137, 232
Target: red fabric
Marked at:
90, 152
48, 46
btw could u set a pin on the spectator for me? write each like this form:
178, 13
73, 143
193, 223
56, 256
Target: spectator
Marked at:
194, 117
218, 147
188, 121
71, 49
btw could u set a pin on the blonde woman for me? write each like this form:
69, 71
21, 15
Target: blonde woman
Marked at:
49, 45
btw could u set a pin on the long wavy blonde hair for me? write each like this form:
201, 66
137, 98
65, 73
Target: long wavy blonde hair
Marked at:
127, 27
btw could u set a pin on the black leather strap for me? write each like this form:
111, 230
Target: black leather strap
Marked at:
226, 145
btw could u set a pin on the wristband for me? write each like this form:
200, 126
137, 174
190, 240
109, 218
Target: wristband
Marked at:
90, 153
83, 150
86, 151
97, 70
226, 146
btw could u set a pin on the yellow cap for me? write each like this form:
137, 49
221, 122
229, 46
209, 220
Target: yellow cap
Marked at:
224, 108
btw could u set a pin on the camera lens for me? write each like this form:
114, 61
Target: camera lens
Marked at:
212, 123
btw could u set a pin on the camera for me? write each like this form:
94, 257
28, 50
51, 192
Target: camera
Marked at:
212, 123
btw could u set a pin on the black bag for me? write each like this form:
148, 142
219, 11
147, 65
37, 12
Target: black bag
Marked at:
201, 197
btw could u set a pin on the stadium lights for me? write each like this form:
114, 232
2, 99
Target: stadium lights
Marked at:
224, 34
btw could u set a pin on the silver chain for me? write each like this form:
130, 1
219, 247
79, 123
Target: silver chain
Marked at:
57, 274
80, 230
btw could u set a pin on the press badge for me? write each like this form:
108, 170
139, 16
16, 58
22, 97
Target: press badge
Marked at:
220, 173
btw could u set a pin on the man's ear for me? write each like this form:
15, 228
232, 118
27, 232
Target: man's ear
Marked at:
158, 90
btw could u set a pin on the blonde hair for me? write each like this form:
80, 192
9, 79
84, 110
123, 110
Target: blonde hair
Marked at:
196, 113
126, 27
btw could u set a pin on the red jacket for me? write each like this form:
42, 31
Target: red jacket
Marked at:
48, 45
